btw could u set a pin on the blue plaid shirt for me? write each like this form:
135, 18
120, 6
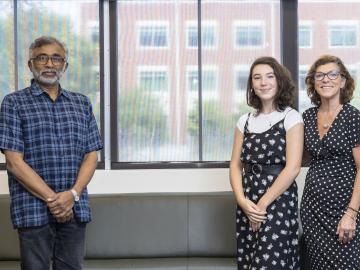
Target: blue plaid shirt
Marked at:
54, 136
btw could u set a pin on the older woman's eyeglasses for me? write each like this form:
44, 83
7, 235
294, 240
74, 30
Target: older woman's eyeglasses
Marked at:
332, 75
42, 59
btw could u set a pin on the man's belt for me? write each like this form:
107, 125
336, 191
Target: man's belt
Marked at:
263, 168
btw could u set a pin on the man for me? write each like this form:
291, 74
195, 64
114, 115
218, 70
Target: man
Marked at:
49, 137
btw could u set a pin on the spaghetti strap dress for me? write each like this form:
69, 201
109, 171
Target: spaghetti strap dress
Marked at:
275, 245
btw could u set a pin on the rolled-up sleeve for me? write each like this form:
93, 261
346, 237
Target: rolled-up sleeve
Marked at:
93, 142
11, 134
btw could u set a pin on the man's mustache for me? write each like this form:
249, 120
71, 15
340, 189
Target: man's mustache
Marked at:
50, 70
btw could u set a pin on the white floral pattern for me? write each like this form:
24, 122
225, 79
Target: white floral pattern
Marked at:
275, 245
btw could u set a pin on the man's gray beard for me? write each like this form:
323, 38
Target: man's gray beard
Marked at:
47, 81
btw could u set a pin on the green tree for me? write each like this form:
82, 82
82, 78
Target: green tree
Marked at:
142, 123
218, 129
7, 58
36, 19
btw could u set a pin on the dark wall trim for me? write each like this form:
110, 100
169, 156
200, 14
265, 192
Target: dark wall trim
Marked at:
168, 165
101, 52
200, 84
16, 49
113, 78
289, 39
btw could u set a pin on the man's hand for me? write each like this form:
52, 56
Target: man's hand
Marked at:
68, 216
61, 206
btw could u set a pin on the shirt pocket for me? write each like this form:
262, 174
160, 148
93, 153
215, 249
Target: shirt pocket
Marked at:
78, 128
73, 131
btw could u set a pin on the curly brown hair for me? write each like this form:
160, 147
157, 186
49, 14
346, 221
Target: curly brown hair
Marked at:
286, 88
346, 93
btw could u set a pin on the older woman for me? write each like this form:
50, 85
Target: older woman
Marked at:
331, 197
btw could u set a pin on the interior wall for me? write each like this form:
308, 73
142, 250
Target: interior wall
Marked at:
158, 180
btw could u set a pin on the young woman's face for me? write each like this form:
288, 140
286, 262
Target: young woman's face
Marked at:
264, 82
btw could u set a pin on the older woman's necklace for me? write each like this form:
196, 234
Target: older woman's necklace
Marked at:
330, 118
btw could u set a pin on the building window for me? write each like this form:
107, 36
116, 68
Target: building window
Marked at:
208, 35
304, 100
353, 72
305, 35
241, 74
152, 35
302, 77
343, 34
93, 31
241, 77
152, 78
249, 34
209, 79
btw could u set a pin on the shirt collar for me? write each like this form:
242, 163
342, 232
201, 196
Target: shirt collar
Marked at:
37, 91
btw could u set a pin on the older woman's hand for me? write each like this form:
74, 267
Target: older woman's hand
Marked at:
346, 228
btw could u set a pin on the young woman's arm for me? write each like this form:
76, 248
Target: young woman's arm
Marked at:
252, 211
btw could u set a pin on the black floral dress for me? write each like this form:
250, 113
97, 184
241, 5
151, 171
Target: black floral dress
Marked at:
328, 190
275, 245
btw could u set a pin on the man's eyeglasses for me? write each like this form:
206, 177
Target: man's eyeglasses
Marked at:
42, 59
332, 75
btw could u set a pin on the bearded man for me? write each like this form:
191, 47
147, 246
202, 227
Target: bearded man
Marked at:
50, 138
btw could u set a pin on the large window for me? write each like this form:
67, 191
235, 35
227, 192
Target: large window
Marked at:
76, 23
247, 30
7, 52
155, 123
162, 110
195, 120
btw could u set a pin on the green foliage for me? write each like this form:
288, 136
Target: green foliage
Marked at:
142, 119
36, 19
215, 120
6, 57
356, 97
218, 129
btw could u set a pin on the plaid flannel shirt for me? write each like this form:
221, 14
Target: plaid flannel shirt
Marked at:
53, 136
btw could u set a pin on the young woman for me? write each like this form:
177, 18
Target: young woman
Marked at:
265, 160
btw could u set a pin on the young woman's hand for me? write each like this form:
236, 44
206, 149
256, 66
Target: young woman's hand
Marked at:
252, 211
